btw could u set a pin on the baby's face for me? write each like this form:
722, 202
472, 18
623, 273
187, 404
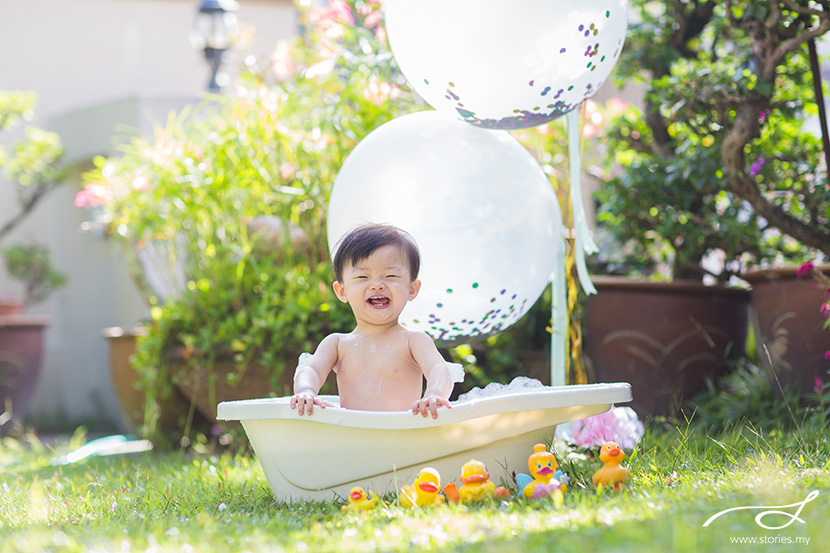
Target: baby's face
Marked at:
377, 288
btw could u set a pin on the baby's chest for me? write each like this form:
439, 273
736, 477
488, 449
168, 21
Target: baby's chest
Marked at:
376, 358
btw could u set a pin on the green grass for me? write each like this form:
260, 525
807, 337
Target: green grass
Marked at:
220, 501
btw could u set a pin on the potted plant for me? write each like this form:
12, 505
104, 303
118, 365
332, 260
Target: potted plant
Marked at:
719, 170
223, 209
790, 313
31, 165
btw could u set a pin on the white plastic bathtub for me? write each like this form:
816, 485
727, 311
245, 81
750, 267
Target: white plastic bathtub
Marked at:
324, 455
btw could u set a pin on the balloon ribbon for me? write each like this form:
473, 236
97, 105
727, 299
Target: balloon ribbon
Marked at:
583, 242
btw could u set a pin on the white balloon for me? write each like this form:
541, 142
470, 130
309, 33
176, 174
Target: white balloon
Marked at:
481, 209
506, 64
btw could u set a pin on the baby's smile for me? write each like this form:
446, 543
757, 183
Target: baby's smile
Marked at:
378, 302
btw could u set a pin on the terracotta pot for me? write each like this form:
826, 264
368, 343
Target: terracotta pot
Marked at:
131, 400
789, 328
665, 339
10, 307
21, 360
255, 383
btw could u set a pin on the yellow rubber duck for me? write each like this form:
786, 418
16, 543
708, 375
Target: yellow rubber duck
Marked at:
541, 482
611, 474
360, 501
424, 491
476, 484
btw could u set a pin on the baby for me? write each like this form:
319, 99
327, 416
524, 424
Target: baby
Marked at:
380, 365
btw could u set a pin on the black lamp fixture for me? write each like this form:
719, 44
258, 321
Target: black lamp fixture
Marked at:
215, 24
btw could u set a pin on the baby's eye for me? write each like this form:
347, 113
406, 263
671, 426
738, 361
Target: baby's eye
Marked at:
393, 276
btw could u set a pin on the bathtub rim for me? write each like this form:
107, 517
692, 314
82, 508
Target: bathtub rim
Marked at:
546, 397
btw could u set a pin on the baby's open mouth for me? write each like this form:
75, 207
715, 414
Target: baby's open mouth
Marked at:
378, 301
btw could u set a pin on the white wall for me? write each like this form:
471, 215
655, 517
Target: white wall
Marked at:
98, 65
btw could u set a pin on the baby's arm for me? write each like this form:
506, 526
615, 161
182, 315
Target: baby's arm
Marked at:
439, 382
310, 377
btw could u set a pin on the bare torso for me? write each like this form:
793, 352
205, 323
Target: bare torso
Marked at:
377, 372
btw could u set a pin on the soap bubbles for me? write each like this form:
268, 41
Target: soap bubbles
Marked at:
481, 209
510, 65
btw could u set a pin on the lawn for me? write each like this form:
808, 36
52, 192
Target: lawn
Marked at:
212, 499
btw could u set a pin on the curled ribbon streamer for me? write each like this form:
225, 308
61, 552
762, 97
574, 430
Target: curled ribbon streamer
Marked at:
559, 328
583, 242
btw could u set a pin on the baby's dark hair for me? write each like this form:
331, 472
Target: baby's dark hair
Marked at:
360, 243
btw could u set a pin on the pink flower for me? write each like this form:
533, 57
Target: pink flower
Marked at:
372, 20
818, 385
93, 195
805, 269
756, 166
616, 106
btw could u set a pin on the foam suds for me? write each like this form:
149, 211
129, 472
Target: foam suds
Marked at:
517, 385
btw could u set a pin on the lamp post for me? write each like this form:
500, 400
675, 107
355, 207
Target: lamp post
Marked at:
212, 30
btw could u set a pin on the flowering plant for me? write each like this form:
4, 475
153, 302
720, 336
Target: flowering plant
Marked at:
822, 281
719, 165
224, 207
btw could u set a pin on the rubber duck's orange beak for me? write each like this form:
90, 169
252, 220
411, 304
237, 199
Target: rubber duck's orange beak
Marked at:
475, 478
614, 452
356, 496
429, 487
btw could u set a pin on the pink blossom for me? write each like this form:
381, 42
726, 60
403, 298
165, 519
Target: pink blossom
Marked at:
616, 106
620, 425
372, 20
757, 166
818, 386
805, 269
380, 34
340, 11
93, 195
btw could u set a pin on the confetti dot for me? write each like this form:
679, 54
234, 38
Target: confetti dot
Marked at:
475, 285
562, 51
449, 290
530, 83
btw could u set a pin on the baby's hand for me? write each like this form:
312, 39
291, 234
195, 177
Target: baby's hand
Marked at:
430, 404
308, 400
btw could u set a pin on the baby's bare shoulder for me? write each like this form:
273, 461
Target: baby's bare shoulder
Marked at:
419, 339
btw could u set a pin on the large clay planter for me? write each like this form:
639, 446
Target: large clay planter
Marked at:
789, 328
665, 339
21, 360
131, 400
255, 382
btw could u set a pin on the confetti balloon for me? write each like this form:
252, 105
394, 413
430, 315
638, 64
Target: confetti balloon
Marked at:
481, 209
506, 64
